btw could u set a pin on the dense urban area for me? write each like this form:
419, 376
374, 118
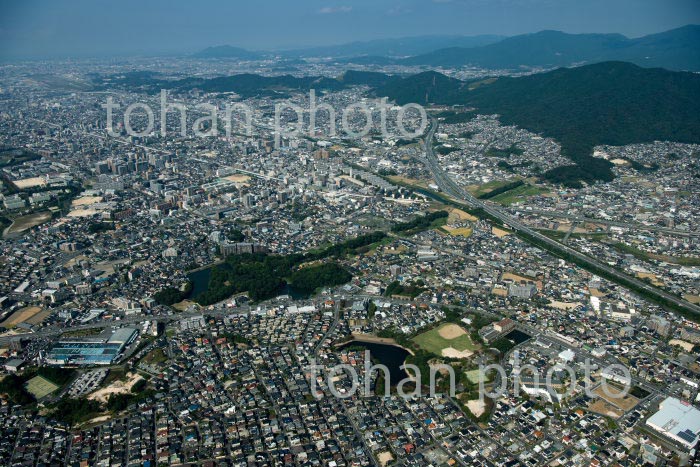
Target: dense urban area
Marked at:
185, 297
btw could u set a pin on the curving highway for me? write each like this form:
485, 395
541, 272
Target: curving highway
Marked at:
451, 188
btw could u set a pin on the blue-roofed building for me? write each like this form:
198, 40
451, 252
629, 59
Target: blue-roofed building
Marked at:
91, 351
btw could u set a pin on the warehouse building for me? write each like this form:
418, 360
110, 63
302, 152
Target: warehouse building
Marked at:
103, 351
678, 421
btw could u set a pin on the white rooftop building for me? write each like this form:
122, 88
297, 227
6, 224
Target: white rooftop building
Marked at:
567, 355
678, 421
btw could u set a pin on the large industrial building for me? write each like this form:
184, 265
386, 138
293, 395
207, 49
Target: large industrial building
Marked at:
102, 350
678, 421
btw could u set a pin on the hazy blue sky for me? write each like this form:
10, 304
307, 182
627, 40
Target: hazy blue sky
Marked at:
96, 27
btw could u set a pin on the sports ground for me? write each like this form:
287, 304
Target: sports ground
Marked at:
447, 340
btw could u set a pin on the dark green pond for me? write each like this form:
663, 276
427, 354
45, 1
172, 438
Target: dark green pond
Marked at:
390, 356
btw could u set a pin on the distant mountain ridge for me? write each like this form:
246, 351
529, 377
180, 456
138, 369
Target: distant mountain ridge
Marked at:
677, 49
397, 47
614, 103
378, 50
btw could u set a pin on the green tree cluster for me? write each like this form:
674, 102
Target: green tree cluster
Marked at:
412, 289
171, 295
419, 223
262, 275
324, 275
74, 411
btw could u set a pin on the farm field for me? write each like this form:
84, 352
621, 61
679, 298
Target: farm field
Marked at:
27, 222
30, 314
457, 215
479, 190
518, 194
458, 231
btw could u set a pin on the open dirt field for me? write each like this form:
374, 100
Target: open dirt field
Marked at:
563, 305
625, 403
515, 277
39, 317
29, 182
500, 233
476, 407
20, 316
385, 458
602, 407
237, 178
116, 387
596, 293
451, 331
654, 280
80, 207
86, 200
82, 212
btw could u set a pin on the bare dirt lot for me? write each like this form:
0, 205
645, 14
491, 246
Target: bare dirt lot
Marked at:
602, 407
84, 206
563, 305
29, 182
238, 178
86, 200
500, 232
687, 346
476, 407
624, 403
116, 387
385, 458
82, 212
515, 277
652, 277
